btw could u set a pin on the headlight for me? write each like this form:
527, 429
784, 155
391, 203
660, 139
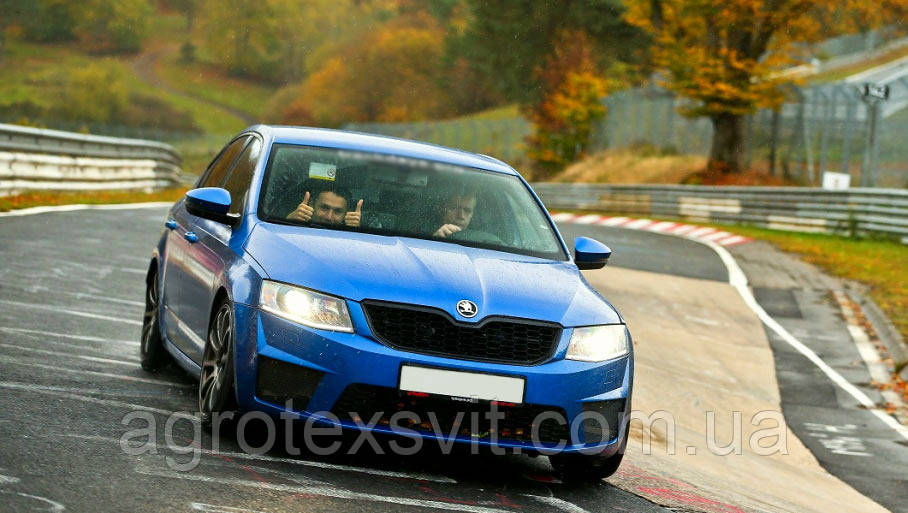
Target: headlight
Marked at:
305, 306
598, 343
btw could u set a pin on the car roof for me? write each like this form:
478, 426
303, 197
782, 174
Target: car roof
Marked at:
359, 141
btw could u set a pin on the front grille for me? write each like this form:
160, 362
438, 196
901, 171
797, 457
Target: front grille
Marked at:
362, 402
278, 382
423, 330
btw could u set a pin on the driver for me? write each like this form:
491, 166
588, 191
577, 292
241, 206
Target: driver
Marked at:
328, 208
456, 214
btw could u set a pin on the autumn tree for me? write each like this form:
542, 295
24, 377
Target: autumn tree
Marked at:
725, 55
388, 74
570, 105
509, 41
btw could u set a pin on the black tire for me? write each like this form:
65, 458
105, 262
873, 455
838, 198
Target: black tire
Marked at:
151, 350
582, 468
216, 386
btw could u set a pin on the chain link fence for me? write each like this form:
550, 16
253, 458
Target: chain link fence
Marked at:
500, 138
831, 127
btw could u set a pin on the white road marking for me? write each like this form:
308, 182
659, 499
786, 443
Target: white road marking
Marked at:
143, 272
560, 504
562, 217
682, 229
71, 208
838, 439
70, 312
81, 295
878, 370
715, 236
738, 280
700, 232
614, 221
735, 239
637, 224
86, 338
54, 506
93, 373
128, 356
661, 227
70, 355
418, 476
324, 491
106, 402
592, 218
213, 508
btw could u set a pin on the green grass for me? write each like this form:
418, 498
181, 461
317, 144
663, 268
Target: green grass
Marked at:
50, 198
212, 84
504, 112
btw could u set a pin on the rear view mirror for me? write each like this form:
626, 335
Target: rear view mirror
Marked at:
211, 203
590, 253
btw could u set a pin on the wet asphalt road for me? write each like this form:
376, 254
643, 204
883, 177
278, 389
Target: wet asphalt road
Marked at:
71, 288
71, 291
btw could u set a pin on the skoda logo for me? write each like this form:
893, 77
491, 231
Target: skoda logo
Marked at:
466, 308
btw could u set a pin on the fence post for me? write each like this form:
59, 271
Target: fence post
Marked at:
807, 101
849, 131
867, 172
670, 123
826, 127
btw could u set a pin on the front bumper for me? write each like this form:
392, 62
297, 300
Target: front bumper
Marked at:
336, 361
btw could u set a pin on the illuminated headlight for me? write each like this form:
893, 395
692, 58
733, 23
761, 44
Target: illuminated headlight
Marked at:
306, 307
598, 343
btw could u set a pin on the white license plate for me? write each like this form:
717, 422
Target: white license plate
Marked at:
488, 387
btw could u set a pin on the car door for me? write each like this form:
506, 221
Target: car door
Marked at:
179, 265
211, 254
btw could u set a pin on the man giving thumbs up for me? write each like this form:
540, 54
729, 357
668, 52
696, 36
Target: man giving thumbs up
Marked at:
329, 207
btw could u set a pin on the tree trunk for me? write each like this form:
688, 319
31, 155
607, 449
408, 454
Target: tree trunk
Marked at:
727, 152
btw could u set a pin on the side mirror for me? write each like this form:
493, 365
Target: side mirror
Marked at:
211, 203
590, 253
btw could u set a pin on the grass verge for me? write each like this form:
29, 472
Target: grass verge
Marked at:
51, 198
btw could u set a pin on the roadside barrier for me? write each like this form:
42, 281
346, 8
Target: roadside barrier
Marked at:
39, 159
807, 209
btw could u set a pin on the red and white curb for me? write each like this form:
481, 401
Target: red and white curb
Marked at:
667, 227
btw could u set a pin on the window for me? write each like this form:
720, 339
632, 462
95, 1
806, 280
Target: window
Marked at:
406, 197
219, 167
241, 177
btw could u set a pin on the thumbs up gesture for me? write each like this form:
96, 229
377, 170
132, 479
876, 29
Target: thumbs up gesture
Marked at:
353, 218
303, 211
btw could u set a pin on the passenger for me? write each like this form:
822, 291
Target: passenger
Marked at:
456, 214
328, 208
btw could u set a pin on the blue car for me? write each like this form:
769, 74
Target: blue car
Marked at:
380, 285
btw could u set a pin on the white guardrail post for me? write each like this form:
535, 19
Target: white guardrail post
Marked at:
807, 209
39, 159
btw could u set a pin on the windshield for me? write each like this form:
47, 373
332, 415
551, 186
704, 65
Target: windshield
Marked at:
392, 195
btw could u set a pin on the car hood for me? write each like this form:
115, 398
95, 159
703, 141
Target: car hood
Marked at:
361, 266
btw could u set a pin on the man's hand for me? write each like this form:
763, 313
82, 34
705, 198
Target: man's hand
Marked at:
353, 218
303, 212
446, 230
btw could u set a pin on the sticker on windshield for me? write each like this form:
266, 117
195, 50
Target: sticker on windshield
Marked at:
321, 171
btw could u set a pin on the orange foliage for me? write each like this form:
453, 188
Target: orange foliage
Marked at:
726, 54
385, 75
564, 119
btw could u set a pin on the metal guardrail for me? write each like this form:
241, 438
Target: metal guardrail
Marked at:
33, 158
851, 211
